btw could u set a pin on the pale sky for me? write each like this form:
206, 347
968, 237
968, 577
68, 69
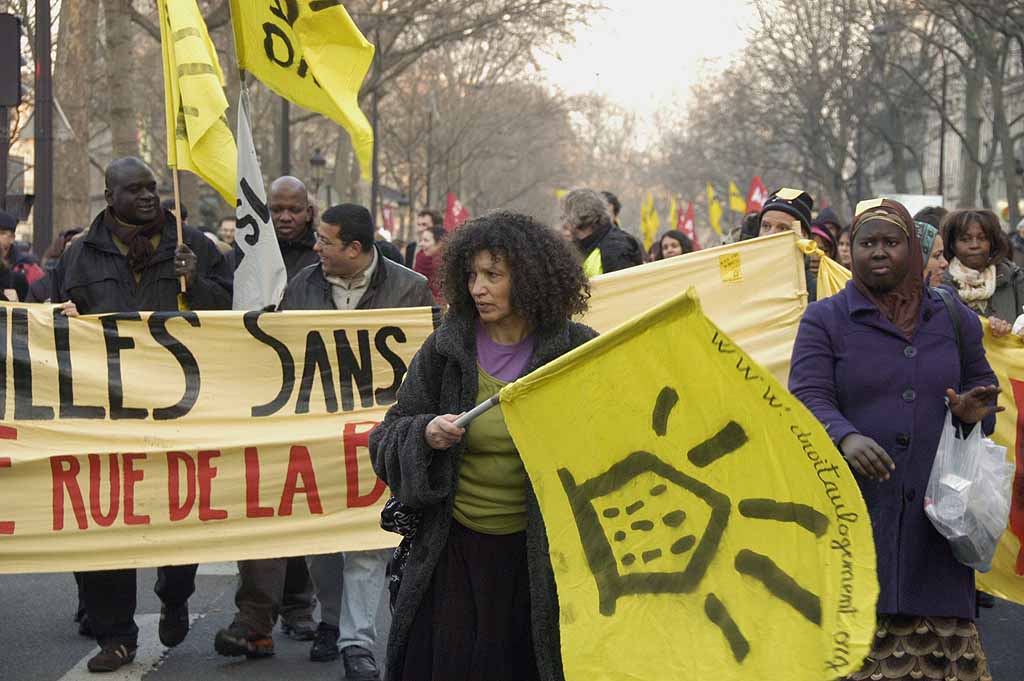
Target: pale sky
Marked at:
645, 54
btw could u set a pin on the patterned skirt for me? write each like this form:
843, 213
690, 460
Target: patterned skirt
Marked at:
911, 648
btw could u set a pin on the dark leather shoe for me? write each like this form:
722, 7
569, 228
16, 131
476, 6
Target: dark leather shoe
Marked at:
111, 657
173, 624
301, 628
325, 644
359, 664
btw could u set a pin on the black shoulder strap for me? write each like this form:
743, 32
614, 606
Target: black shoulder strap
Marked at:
954, 315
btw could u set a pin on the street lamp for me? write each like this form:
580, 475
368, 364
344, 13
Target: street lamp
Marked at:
317, 164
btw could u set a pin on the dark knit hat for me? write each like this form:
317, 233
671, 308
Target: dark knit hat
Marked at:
8, 222
827, 216
796, 202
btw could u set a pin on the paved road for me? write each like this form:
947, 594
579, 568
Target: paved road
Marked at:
38, 640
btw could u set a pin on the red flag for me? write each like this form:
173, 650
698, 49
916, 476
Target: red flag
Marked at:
757, 195
688, 226
456, 213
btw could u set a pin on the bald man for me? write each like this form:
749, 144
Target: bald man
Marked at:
131, 261
293, 218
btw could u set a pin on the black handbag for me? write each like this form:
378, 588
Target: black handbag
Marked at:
398, 518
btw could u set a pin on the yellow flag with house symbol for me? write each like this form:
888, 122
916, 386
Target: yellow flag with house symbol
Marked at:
701, 523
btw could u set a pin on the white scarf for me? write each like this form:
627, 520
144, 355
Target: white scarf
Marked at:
975, 288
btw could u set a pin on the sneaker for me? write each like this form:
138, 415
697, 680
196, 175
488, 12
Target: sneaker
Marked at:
238, 640
301, 628
173, 624
359, 664
112, 657
325, 644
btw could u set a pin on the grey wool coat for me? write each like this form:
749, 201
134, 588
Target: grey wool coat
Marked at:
442, 379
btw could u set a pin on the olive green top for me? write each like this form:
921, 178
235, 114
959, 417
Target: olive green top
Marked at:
491, 494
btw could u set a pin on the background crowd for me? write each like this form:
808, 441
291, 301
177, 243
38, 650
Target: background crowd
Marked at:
472, 589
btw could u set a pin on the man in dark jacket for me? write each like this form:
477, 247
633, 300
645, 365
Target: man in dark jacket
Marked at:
131, 261
387, 284
605, 247
293, 222
351, 274
292, 215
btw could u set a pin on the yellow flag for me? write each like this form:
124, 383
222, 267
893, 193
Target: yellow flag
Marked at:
560, 193
1006, 355
652, 224
198, 137
737, 203
645, 214
701, 503
714, 210
832, 276
310, 53
673, 214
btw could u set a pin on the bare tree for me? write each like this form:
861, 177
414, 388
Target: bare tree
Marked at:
120, 62
76, 47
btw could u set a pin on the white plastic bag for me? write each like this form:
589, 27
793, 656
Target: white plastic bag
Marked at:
968, 495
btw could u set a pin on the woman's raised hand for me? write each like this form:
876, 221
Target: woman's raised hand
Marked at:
442, 433
975, 404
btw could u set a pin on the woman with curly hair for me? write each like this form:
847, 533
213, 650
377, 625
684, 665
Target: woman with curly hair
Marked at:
477, 596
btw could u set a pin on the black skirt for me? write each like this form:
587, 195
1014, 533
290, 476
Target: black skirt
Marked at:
474, 621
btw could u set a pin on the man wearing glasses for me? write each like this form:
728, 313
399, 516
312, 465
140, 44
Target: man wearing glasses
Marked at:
351, 274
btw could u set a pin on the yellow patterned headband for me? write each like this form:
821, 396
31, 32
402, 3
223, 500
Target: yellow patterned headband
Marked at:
873, 209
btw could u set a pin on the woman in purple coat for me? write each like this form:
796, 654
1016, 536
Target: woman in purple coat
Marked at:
875, 363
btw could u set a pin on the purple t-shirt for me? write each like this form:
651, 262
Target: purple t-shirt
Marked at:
503, 362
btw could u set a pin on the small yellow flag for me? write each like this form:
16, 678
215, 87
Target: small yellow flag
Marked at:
714, 211
673, 214
699, 502
560, 193
649, 221
310, 53
198, 137
737, 204
832, 276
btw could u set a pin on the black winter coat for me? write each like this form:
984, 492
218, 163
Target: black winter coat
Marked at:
389, 251
391, 286
618, 249
297, 254
95, 276
443, 379
16, 281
